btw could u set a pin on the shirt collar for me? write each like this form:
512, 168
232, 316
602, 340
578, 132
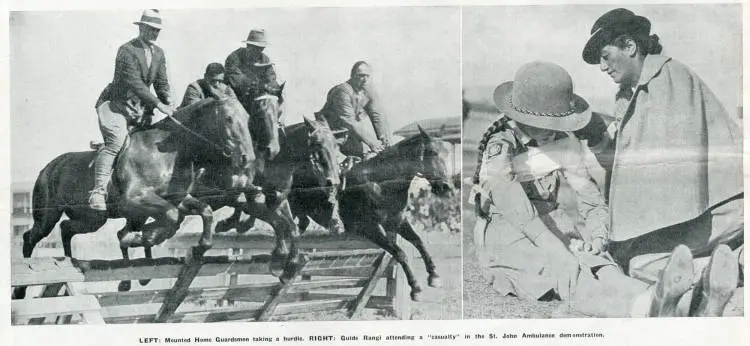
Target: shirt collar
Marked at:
145, 44
651, 67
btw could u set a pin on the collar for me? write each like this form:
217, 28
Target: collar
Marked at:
145, 44
651, 67
358, 91
525, 139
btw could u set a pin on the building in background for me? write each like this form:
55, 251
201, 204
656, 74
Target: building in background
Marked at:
448, 129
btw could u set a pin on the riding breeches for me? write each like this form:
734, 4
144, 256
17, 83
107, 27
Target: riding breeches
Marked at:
114, 128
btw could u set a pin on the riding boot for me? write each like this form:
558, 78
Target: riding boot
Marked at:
102, 175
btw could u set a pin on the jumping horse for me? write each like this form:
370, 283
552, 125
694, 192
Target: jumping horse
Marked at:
374, 200
155, 176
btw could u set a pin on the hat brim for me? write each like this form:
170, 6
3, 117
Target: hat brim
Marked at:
603, 36
257, 44
577, 120
153, 25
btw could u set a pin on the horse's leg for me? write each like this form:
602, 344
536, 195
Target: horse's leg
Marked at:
44, 223
191, 205
146, 254
230, 222
284, 211
126, 236
282, 226
372, 232
407, 231
336, 225
78, 225
43, 226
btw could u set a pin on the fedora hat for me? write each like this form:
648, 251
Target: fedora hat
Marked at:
256, 37
611, 25
541, 95
151, 18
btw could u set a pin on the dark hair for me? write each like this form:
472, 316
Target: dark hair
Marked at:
494, 128
214, 68
646, 44
356, 66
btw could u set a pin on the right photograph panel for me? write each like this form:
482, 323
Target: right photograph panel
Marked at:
602, 161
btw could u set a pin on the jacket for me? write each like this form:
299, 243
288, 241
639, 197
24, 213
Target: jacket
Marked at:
200, 89
677, 151
129, 91
345, 108
245, 77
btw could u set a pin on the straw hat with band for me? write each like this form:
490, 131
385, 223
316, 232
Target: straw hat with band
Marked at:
256, 37
541, 95
611, 25
150, 18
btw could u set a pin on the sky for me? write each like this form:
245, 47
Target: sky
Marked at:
60, 62
498, 40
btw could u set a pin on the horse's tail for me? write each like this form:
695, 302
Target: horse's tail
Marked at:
45, 189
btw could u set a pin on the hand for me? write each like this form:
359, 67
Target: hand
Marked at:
385, 142
595, 247
377, 147
166, 109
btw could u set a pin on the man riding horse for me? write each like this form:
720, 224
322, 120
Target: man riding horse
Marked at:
249, 71
347, 104
124, 102
211, 85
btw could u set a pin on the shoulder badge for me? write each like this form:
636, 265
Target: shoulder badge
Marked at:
493, 150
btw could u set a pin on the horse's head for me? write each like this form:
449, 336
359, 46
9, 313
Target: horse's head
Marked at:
224, 123
430, 155
322, 150
264, 121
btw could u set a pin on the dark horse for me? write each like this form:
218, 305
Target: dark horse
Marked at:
309, 146
376, 195
155, 175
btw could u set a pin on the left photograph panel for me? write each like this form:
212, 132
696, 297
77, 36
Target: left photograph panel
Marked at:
235, 165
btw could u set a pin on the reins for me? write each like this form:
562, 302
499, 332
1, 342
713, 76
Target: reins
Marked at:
189, 109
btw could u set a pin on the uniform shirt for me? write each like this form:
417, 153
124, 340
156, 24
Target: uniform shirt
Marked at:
522, 182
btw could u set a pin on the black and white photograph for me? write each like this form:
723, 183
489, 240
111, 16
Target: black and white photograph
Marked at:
222, 164
602, 161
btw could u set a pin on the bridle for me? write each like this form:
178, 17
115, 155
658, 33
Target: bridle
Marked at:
192, 108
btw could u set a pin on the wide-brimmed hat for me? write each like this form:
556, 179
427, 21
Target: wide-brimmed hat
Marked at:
151, 18
541, 95
256, 37
610, 25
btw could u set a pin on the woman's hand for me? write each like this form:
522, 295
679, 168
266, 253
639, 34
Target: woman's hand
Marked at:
595, 247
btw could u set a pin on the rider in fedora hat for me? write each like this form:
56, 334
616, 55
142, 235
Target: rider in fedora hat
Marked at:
677, 171
249, 71
139, 64
532, 172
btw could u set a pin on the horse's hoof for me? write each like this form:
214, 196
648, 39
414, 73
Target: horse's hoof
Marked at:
131, 240
434, 281
337, 228
222, 227
124, 286
276, 269
19, 293
205, 245
144, 282
416, 294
